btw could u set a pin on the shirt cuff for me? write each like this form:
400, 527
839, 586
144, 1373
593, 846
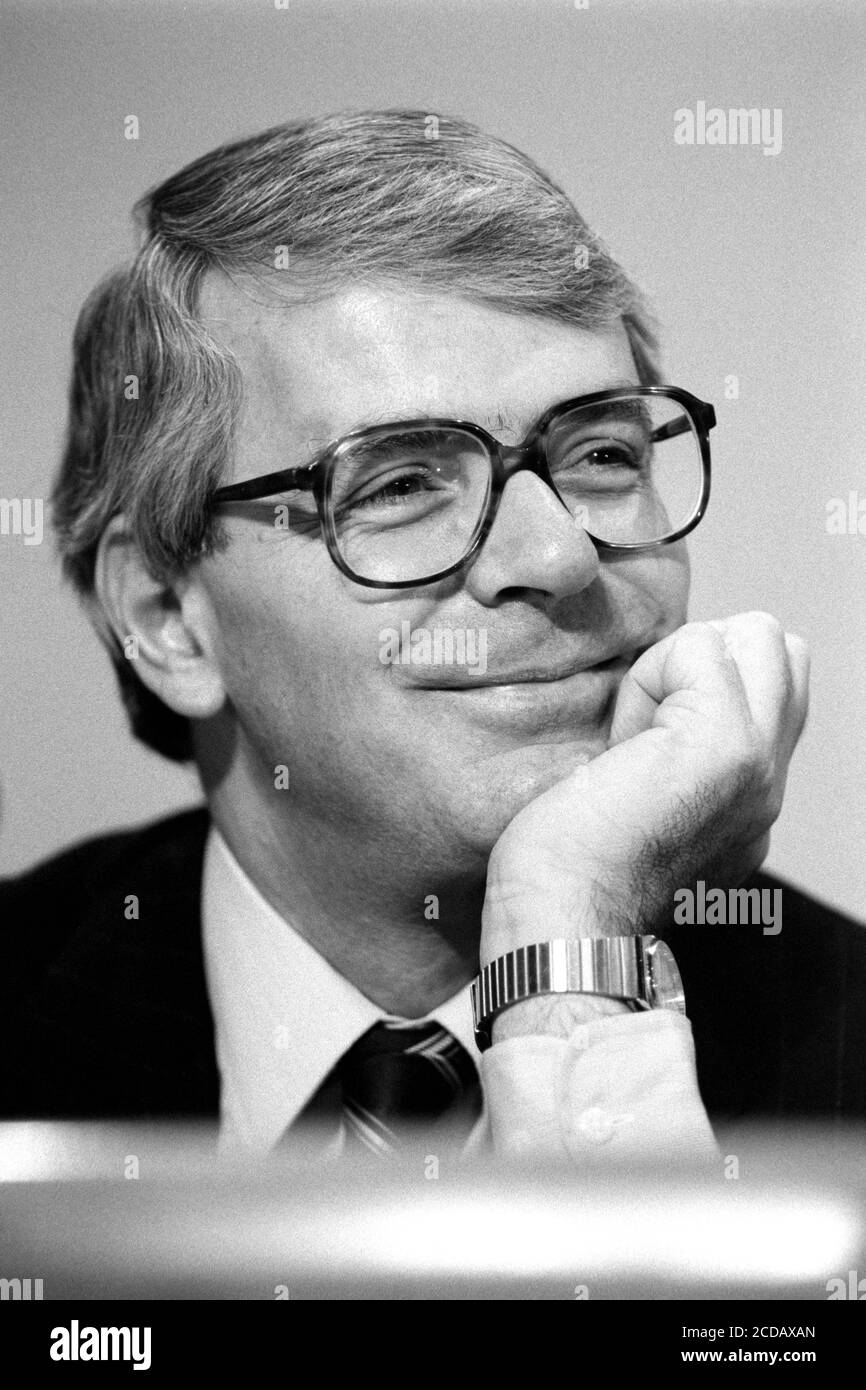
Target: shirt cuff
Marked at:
619, 1088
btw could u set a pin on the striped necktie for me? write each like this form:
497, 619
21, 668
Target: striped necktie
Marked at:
395, 1084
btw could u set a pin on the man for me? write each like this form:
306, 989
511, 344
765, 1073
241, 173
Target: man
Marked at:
378, 498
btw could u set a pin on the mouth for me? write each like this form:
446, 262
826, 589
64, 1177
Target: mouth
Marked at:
554, 701
458, 680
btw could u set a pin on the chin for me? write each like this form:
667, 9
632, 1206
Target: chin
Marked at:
504, 784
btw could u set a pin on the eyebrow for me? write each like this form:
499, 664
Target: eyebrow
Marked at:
498, 420
636, 409
492, 422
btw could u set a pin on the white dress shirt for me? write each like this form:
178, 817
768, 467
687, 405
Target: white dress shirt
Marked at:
625, 1085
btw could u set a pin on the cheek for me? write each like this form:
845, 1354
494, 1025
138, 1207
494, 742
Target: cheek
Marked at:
653, 588
272, 623
291, 636
668, 577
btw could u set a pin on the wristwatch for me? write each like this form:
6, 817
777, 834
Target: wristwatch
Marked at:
638, 969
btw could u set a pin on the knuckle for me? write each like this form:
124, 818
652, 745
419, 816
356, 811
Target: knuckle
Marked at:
798, 650
760, 630
759, 620
695, 631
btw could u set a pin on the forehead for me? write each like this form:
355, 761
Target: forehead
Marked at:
368, 355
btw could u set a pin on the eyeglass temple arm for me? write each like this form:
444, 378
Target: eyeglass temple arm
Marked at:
682, 424
270, 483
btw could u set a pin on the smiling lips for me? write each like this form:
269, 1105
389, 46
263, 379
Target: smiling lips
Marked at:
528, 703
527, 675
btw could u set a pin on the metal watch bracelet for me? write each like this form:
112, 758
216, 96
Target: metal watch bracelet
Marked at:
638, 969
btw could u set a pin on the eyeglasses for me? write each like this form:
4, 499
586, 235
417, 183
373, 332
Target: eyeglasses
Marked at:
410, 503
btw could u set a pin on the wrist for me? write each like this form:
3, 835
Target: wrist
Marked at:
518, 913
553, 1015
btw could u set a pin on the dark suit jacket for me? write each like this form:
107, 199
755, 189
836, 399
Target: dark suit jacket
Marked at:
106, 1015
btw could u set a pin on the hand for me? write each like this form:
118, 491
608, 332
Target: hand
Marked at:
703, 730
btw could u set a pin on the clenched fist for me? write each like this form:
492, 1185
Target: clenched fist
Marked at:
703, 730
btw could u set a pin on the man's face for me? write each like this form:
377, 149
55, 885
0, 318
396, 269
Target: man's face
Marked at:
423, 759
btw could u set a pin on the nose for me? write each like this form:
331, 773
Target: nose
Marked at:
535, 544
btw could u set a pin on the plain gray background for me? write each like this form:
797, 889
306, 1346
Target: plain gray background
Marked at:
752, 262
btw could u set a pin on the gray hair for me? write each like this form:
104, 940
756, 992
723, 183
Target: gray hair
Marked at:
392, 196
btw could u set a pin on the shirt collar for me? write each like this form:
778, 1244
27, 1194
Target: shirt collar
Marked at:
283, 1015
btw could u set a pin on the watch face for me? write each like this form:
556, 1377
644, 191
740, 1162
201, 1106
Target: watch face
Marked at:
665, 982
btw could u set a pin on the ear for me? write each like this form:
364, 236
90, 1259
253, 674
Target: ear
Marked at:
163, 628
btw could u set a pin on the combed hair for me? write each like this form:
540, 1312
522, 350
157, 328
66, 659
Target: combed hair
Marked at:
383, 197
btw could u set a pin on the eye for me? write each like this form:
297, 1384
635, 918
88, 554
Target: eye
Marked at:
392, 491
601, 455
611, 456
422, 476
